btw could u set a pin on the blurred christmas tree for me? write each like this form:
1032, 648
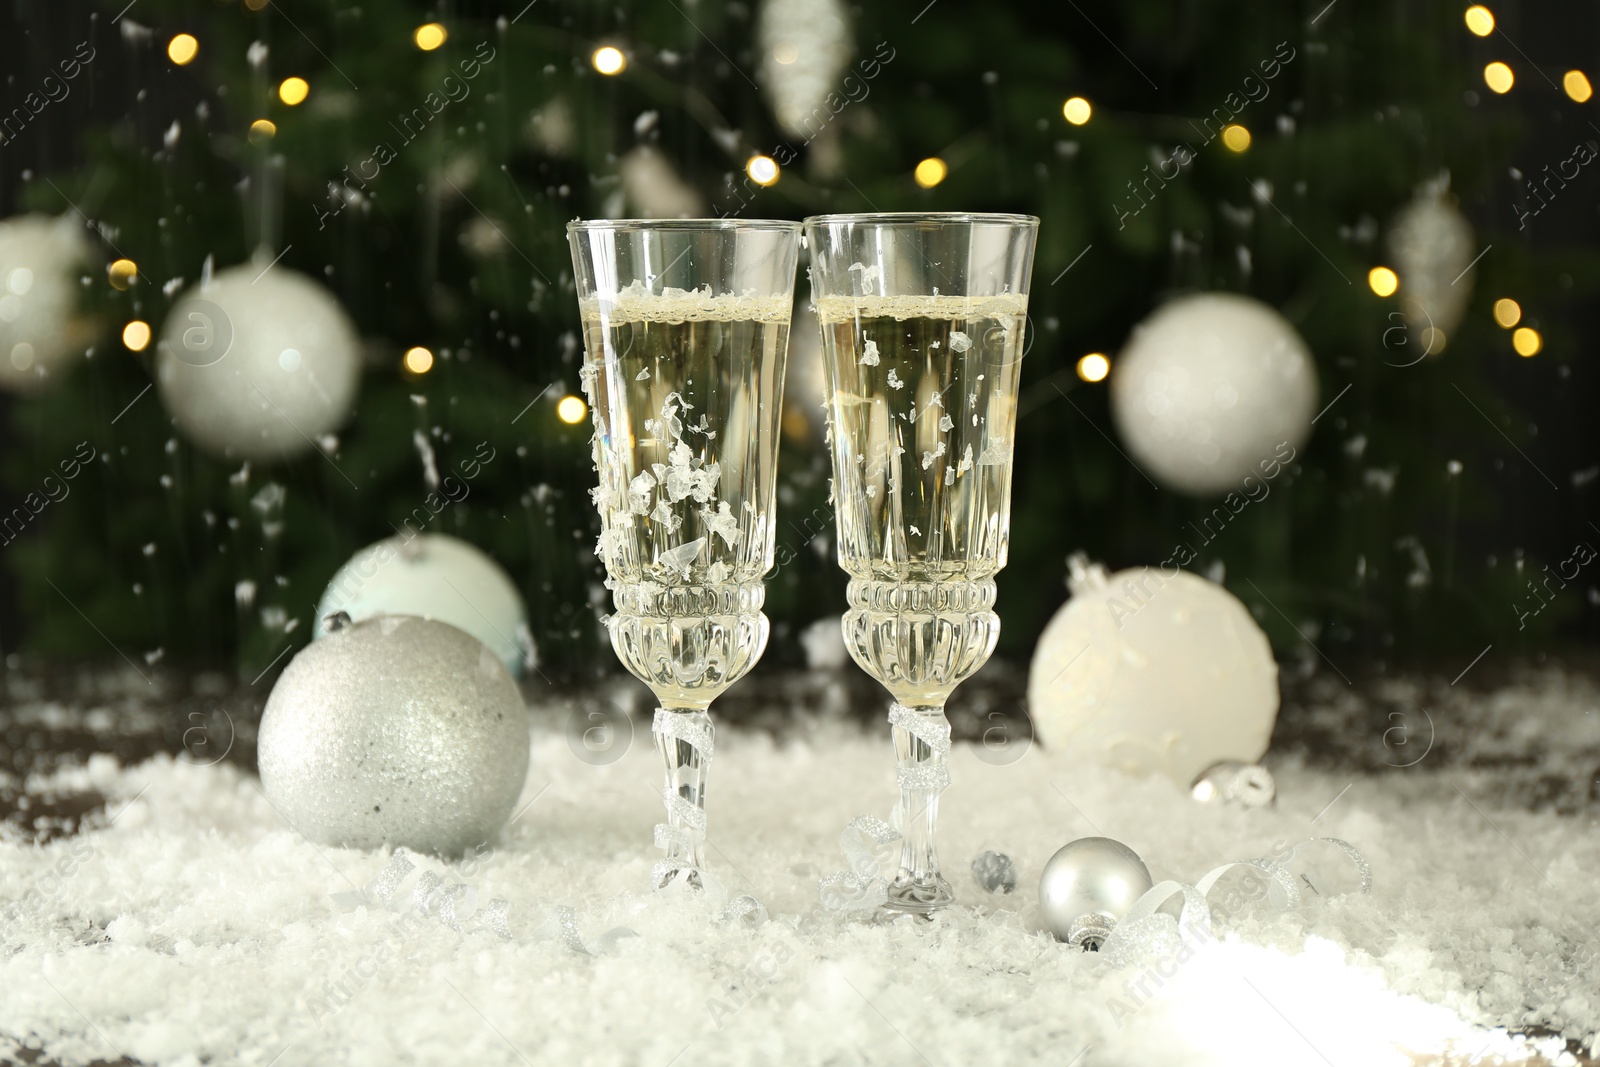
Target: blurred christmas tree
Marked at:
421, 163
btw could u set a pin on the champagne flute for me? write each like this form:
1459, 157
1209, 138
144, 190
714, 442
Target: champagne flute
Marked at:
686, 332
922, 319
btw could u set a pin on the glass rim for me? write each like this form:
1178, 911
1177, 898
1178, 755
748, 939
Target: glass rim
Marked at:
681, 225
889, 218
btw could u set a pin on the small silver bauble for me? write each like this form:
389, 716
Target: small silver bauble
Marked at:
995, 872
1248, 785
1087, 887
397, 731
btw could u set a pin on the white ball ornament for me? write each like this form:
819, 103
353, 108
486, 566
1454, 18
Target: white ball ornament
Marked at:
1153, 670
1210, 387
41, 262
256, 364
395, 731
434, 576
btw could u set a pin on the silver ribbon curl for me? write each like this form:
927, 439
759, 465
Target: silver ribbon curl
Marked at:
862, 887
935, 733
1145, 931
669, 836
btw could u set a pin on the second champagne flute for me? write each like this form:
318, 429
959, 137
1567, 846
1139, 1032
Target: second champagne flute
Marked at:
686, 331
922, 319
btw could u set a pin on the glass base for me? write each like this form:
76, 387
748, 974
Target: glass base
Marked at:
919, 897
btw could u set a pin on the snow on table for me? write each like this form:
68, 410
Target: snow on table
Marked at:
189, 923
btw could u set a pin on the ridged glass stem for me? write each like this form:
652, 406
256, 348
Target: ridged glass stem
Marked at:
922, 748
685, 738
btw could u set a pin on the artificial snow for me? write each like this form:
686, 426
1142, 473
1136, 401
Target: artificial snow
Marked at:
189, 923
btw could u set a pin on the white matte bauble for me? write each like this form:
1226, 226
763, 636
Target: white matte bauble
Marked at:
256, 362
1153, 670
1433, 246
41, 263
434, 576
1209, 388
395, 731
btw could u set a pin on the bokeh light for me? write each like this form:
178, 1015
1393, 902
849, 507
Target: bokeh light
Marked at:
930, 172
293, 91
1498, 77
1383, 281
122, 273
1507, 312
1236, 137
418, 360
1094, 367
1576, 84
1480, 20
1077, 111
571, 410
763, 170
430, 36
1526, 340
609, 60
182, 48
136, 335
262, 131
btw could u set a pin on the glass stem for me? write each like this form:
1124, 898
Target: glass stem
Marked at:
685, 738
922, 748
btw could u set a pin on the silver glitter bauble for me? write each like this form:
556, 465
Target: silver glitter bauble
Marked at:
434, 576
1213, 394
257, 362
1249, 785
41, 264
1087, 887
395, 731
1433, 246
995, 872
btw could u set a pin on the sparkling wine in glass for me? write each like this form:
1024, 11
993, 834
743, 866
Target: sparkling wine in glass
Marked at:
922, 318
686, 331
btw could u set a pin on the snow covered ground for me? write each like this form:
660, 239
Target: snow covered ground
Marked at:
186, 922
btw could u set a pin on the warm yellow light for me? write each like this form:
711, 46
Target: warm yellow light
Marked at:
1077, 111
1526, 341
1433, 341
293, 90
1480, 20
182, 48
571, 410
262, 131
1094, 367
1507, 312
1383, 281
122, 273
1498, 77
1236, 137
930, 172
608, 60
763, 170
430, 36
418, 360
136, 335
1576, 83
786, 53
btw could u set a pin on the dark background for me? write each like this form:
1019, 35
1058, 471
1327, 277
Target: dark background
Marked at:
1383, 96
